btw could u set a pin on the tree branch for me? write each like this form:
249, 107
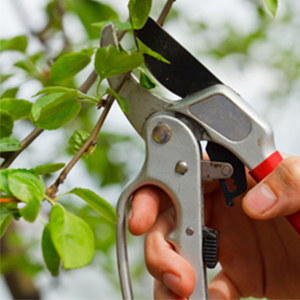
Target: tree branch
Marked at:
162, 17
84, 88
52, 190
24, 144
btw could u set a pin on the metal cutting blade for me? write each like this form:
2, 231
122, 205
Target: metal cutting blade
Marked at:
184, 75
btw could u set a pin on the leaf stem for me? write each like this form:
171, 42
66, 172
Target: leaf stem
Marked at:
42, 220
61, 195
98, 87
50, 200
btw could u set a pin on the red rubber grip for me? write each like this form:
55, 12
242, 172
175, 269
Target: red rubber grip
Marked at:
264, 169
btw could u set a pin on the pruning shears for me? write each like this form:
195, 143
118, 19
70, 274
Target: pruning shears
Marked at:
172, 130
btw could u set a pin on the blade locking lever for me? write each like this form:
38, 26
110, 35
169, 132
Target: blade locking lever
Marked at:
219, 153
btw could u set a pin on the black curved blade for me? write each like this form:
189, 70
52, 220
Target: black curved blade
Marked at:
184, 75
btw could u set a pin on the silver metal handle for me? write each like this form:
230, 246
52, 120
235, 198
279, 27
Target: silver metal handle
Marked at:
173, 163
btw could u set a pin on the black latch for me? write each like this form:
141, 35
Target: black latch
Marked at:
210, 247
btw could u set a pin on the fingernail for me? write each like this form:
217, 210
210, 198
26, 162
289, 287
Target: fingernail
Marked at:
260, 199
173, 282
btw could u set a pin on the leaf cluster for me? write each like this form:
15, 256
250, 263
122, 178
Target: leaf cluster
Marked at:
67, 239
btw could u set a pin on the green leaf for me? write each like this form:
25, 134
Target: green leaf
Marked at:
10, 93
48, 168
119, 25
6, 123
58, 89
54, 110
109, 61
145, 81
4, 181
77, 140
68, 65
5, 219
272, 6
18, 43
26, 185
31, 210
72, 237
17, 108
68, 92
124, 104
146, 50
51, 257
9, 144
139, 11
97, 203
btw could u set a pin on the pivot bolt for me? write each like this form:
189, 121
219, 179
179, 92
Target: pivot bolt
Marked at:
162, 133
190, 231
181, 167
226, 170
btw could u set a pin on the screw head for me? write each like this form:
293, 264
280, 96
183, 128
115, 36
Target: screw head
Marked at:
190, 231
181, 167
226, 170
162, 133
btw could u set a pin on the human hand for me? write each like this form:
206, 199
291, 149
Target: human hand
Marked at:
259, 249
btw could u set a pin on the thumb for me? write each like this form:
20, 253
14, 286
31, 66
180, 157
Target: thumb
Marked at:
278, 194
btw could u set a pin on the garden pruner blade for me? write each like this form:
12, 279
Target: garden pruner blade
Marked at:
184, 75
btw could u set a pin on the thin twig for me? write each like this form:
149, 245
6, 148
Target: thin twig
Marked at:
162, 17
24, 144
52, 190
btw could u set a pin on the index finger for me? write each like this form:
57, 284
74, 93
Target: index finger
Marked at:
147, 203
